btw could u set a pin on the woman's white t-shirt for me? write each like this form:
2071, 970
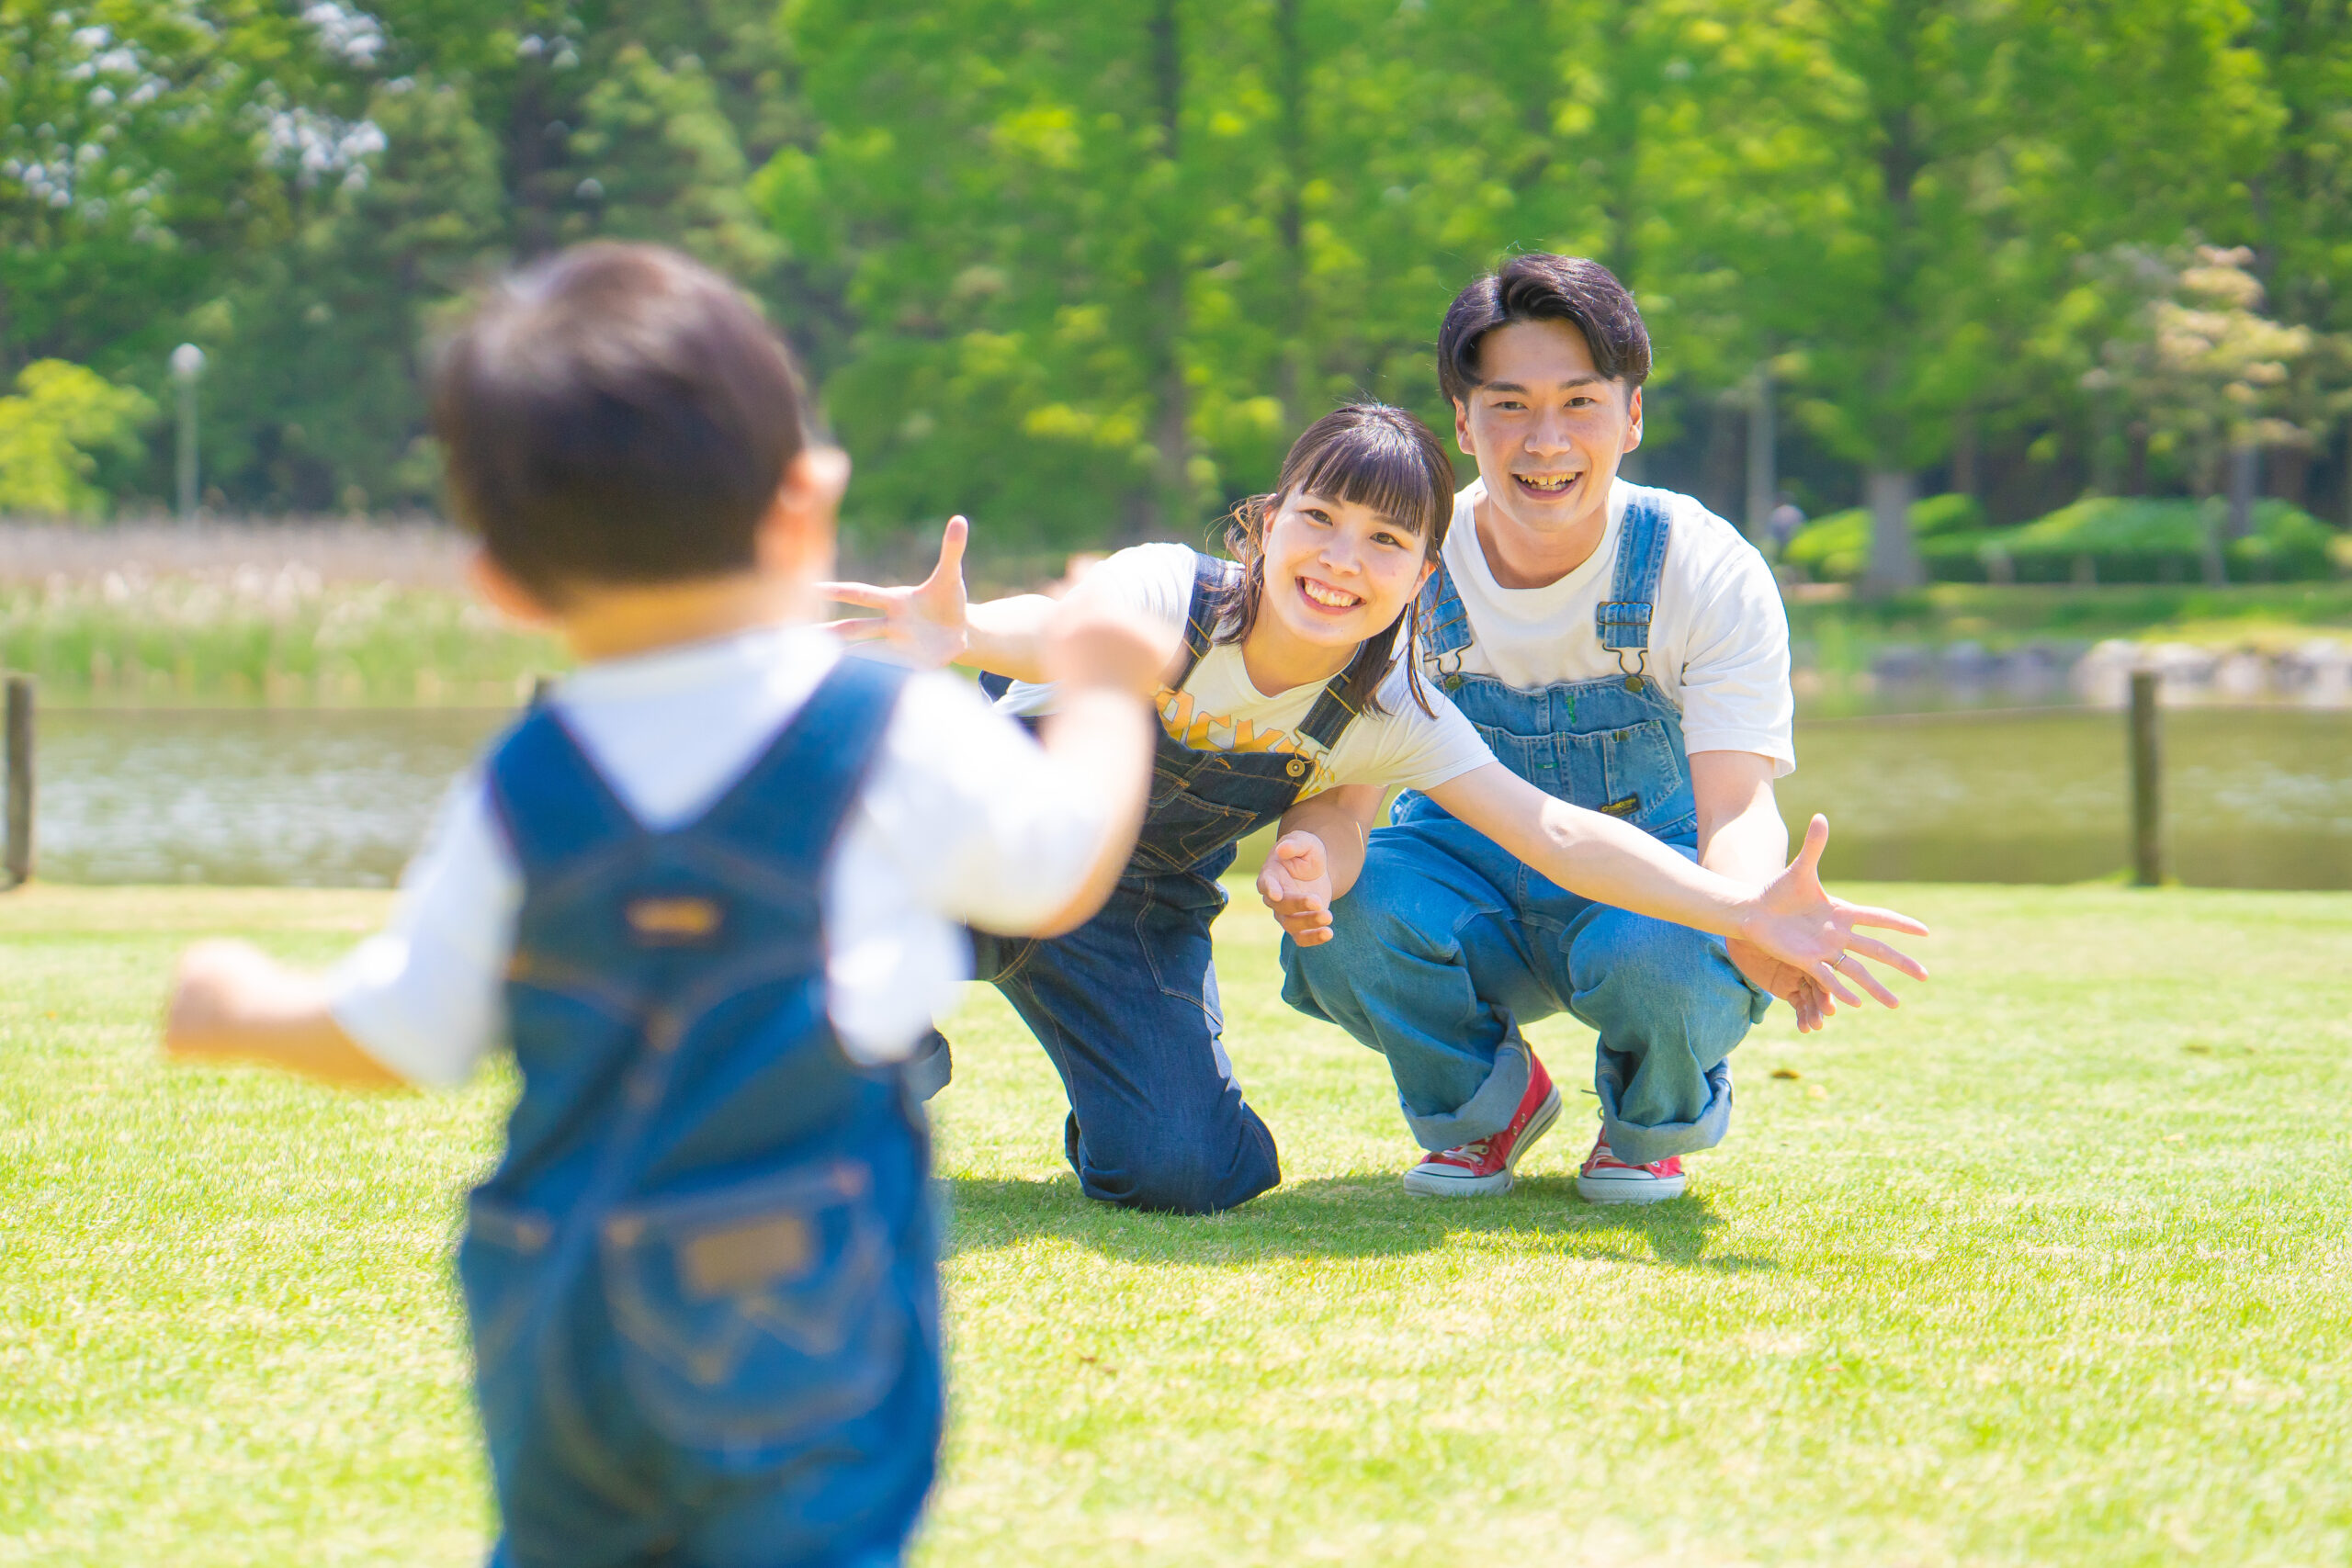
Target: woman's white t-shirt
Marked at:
1719, 635
1220, 709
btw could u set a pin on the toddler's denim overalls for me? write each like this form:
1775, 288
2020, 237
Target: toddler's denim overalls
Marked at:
1446, 941
1126, 1005
702, 1282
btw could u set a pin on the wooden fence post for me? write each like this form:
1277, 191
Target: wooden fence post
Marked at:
17, 860
2147, 784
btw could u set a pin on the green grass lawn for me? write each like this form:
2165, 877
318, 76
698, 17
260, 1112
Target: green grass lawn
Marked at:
2050, 1266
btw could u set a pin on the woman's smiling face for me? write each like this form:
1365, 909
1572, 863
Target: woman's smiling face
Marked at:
1337, 572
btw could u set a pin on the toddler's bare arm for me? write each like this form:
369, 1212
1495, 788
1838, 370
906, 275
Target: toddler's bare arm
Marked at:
231, 1002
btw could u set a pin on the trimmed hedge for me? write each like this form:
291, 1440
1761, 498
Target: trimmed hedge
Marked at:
2123, 539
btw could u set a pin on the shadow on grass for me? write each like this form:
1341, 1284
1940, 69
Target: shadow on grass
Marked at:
1345, 1216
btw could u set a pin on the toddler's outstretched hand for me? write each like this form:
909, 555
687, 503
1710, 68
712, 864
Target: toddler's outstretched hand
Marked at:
1296, 882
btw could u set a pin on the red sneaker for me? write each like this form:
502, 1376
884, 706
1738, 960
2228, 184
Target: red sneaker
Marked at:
1605, 1179
1484, 1165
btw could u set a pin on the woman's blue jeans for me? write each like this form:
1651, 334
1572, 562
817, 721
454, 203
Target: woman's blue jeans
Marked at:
1446, 943
1127, 1007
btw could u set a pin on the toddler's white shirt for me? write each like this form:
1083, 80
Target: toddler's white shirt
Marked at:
962, 821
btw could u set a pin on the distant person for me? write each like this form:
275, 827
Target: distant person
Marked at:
1621, 649
1782, 525
1279, 680
710, 895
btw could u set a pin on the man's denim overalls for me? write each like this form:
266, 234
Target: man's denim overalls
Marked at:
1126, 1005
702, 1282
1446, 941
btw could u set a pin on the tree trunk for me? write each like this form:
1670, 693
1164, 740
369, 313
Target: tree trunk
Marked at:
2210, 560
2291, 475
1763, 459
1895, 558
1964, 478
1719, 475
2106, 443
2245, 473
527, 161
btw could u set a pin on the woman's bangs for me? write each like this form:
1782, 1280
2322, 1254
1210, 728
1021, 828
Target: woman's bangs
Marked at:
1379, 468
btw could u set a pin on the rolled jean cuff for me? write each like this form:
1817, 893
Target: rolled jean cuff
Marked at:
930, 1067
1642, 1146
1485, 1113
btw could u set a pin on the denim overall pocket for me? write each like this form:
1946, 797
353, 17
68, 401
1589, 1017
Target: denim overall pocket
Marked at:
754, 1317
500, 1260
1182, 827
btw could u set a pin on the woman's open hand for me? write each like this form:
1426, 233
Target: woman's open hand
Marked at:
1296, 882
927, 622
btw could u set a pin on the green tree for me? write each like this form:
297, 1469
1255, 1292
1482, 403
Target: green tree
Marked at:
667, 167
316, 349
134, 167
61, 419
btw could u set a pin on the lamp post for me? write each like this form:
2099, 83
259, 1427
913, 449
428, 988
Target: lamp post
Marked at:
187, 365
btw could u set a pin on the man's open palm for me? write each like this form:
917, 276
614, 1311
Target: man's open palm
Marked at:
1804, 927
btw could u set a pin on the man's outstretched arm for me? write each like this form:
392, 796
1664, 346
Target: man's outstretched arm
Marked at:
1741, 836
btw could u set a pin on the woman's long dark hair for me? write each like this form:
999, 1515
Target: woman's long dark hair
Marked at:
1375, 456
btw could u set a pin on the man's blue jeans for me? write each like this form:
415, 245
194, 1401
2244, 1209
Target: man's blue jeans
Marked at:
1446, 943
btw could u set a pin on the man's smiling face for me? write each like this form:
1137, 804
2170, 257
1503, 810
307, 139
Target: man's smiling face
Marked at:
1546, 428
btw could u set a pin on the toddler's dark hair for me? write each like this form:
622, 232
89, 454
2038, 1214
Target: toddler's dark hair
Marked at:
1375, 456
616, 414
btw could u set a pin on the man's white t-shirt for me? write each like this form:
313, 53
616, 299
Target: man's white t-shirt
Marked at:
1718, 640
962, 821
1221, 709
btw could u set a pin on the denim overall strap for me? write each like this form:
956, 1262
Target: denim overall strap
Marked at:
572, 810
1329, 716
1624, 618
1445, 624
1212, 581
792, 802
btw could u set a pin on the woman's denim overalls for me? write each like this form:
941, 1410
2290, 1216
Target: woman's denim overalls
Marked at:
1446, 943
702, 1281
1126, 1005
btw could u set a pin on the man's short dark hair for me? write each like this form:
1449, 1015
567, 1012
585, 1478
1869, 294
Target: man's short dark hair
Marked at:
616, 414
1545, 287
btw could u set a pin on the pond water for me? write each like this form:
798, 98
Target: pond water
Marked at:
2253, 798
338, 798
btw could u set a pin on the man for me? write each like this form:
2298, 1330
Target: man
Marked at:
1620, 647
